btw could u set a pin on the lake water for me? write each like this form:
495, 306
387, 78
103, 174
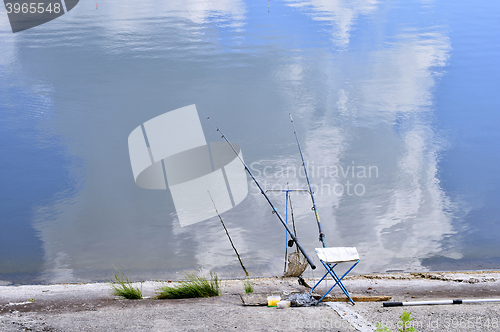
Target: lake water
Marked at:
396, 105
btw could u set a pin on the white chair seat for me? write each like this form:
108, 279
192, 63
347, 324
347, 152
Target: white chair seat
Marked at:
330, 257
337, 254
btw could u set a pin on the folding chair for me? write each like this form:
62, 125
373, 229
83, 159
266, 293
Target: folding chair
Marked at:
331, 257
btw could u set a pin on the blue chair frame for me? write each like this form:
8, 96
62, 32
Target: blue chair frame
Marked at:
329, 266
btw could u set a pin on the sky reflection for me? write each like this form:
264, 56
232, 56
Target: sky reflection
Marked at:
362, 79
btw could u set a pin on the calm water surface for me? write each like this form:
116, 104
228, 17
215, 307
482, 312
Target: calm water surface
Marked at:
396, 105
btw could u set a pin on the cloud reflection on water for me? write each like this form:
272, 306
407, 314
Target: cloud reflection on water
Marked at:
342, 14
374, 112
382, 117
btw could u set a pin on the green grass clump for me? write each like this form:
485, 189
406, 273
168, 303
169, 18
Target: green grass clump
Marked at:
405, 324
194, 286
122, 286
248, 286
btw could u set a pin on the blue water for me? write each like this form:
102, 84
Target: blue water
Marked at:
407, 88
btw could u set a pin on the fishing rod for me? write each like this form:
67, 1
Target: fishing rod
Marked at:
458, 301
229, 237
321, 234
275, 211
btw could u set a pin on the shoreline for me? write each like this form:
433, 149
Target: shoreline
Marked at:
396, 285
382, 275
91, 306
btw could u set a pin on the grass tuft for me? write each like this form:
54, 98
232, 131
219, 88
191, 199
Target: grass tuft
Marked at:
194, 286
405, 323
122, 286
248, 286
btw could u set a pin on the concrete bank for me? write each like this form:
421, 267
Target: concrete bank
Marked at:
91, 307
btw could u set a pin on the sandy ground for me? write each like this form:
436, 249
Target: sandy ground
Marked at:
92, 307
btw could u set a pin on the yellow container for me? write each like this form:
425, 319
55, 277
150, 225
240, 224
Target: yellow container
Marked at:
272, 301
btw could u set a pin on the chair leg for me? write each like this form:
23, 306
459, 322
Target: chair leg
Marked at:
317, 284
342, 287
338, 281
334, 276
